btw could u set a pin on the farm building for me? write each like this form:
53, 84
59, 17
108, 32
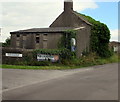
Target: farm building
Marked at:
48, 38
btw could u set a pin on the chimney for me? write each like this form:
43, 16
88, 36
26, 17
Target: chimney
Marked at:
68, 5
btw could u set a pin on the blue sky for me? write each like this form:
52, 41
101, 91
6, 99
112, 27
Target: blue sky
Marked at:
107, 12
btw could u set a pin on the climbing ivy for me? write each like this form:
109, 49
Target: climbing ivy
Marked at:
100, 36
99, 41
65, 41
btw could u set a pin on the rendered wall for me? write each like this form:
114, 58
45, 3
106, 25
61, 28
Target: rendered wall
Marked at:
30, 42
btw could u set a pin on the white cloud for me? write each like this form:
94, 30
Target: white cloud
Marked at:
115, 36
80, 5
24, 15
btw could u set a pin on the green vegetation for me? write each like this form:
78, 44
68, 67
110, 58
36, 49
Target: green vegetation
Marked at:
65, 41
63, 52
91, 59
99, 51
100, 36
35, 67
6, 43
85, 61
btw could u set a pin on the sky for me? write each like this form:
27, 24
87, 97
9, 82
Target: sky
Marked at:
24, 15
107, 12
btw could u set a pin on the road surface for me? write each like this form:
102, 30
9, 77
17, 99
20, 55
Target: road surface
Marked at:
99, 83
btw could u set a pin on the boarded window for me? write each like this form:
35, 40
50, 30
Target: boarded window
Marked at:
17, 43
44, 44
44, 36
24, 41
24, 37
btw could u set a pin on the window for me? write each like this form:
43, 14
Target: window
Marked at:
24, 37
18, 35
37, 39
24, 41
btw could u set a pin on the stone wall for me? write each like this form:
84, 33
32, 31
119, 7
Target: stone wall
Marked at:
82, 41
51, 40
11, 60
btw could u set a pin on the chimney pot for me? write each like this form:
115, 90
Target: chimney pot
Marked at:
68, 5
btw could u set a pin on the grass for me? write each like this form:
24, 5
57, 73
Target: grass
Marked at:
32, 67
60, 67
42, 67
76, 63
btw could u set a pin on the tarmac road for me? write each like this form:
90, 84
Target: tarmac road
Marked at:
101, 83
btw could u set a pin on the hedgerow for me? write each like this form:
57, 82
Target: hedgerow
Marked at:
63, 52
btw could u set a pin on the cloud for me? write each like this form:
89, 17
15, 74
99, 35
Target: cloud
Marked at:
80, 5
115, 36
24, 15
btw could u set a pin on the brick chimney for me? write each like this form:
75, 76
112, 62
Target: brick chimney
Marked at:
68, 5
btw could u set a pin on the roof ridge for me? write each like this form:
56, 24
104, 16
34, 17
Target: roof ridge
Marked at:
82, 18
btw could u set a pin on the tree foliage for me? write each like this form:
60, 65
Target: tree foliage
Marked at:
6, 43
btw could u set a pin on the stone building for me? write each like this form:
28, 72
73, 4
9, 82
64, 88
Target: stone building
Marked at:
115, 46
47, 38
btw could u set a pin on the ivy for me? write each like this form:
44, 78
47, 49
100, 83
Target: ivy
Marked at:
63, 52
100, 36
64, 47
48, 51
65, 41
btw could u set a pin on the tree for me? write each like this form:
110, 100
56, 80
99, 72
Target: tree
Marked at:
6, 43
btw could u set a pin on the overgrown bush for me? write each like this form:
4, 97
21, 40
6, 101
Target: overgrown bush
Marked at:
21, 63
13, 61
100, 36
90, 59
39, 63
